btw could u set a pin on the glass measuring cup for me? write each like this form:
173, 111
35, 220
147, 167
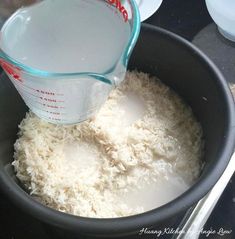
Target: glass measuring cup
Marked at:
68, 86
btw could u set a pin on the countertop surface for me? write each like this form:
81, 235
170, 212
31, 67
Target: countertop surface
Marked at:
186, 18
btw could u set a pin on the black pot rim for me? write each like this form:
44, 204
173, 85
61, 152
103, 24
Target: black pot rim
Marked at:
155, 216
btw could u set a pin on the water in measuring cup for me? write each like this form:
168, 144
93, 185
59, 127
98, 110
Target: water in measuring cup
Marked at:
67, 36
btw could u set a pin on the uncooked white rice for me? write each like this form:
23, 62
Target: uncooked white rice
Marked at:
166, 139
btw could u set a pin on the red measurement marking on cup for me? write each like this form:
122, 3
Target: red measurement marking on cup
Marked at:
36, 103
13, 71
55, 113
120, 7
53, 106
44, 113
47, 93
52, 118
51, 100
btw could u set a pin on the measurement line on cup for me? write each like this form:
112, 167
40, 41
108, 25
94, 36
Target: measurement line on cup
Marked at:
44, 111
53, 106
28, 100
57, 119
39, 90
35, 107
42, 98
55, 113
51, 100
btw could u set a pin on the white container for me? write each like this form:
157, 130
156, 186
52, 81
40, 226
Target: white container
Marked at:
223, 14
